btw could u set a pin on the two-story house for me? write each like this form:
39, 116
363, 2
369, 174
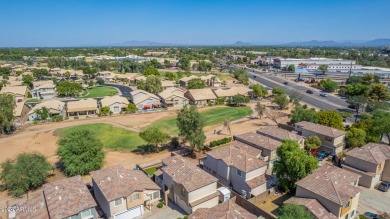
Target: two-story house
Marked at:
63, 199
225, 210
187, 185
81, 109
334, 188
268, 139
332, 139
116, 103
173, 97
239, 166
55, 107
145, 100
201, 97
43, 89
369, 162
122, 193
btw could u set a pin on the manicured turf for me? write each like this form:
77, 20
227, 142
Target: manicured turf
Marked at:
100, 92
151, 170
33, 101
215, 116
112, 137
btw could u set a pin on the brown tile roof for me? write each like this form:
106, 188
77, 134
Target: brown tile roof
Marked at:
202, 94
242, 156
52, 105
108, 101
313, 206
256, 182
278, 133
332, 183
116, 182
229, 92
67, 197
172, 91
225, 210
371, 152
321, 129
36, 208
17, 90
187, 173
82, 105
204, 199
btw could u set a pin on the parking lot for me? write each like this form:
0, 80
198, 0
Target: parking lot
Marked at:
373, 200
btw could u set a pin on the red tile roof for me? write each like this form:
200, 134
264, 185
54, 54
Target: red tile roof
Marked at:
225, 210
371, 152
321, 129
313, 206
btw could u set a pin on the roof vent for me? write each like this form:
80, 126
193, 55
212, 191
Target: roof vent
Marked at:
56, 188
108, 178
59, 198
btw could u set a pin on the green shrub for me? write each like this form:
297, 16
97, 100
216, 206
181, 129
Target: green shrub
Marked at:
160, 205
220, 142
56, 118
175, 142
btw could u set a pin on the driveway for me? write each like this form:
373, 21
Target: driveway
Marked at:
125, 90
373, 200
171, 211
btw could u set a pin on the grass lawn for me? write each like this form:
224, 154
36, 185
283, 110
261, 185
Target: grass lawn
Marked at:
100, 92
33, 101
112, 137
151, 170
211, 117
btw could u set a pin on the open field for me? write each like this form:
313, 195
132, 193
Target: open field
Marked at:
114, 138
211, 117
100, 92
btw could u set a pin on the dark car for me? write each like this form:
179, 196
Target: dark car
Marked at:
299, 79
309, 91
323, 94
371, 215
285, 83
384, 186
322, 155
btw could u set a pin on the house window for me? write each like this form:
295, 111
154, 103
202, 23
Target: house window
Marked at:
353, 213
118, 202
346, 216
347, 205
87, 214
239, 172
328, 138
134, 197
156, 194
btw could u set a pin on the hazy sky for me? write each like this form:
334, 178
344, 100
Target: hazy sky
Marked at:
98, 22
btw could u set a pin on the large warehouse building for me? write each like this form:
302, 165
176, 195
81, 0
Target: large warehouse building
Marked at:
312, 64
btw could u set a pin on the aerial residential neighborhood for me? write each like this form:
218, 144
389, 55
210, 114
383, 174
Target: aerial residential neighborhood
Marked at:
195, 109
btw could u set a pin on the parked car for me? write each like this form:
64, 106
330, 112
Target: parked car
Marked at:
371, 215
322, 155
323, 94
309, 91
285, 83
315, 152
299, 79
384, 186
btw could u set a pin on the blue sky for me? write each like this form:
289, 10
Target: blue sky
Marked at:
98, 22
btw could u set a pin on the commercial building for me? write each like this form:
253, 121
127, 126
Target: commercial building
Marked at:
314, 63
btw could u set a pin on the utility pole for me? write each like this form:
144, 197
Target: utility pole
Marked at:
350, 70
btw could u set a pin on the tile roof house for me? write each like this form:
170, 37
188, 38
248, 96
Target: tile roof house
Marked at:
332, 139
61, 199
225, 210
116, 103
123, 193
371, 162
240, 166
19, 92
318, 210
145, 100
268, 139
228, 93
201, 97
43, 89
81, 109
55, 107
168, 84
173, 97
334, 188
187, 185
184, 81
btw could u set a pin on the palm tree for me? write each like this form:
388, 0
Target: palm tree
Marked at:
226, 124
224, 83
260, 109
213, 79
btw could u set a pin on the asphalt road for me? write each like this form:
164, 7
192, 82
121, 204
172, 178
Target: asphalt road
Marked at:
125, 90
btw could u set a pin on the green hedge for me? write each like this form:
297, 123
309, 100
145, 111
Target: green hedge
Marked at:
220, 142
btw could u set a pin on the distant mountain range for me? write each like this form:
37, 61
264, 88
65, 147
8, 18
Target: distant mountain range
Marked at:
316, 43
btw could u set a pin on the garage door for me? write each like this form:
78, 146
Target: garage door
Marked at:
131, 213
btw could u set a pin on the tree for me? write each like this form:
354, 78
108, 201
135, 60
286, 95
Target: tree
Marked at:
26, 172
278, 91
359, 102
151, 71
184, 64
294, 164
301, 114
68, 88
43, 113
259, 91
40, 73
382, 123
7, 107
330, 118
323, 68
312, 142
260, 109
369, 79
28, 80
356, 90
371, 106
328, 85
378, 92
372, 134
240, 75
105, 110
100, 81
354, 80
190, 124
196, 83
152, 84
355, 137
155, 136
89, 71
293, 211
80, 152
291, 68
281, 101
132, 108
239, 99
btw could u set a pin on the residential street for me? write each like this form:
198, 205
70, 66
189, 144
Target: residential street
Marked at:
373, 200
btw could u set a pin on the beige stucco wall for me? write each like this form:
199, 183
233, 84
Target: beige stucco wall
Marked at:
202, 192
361, 164
331, 206
257, 172
386, 171
259, 190
207, 204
